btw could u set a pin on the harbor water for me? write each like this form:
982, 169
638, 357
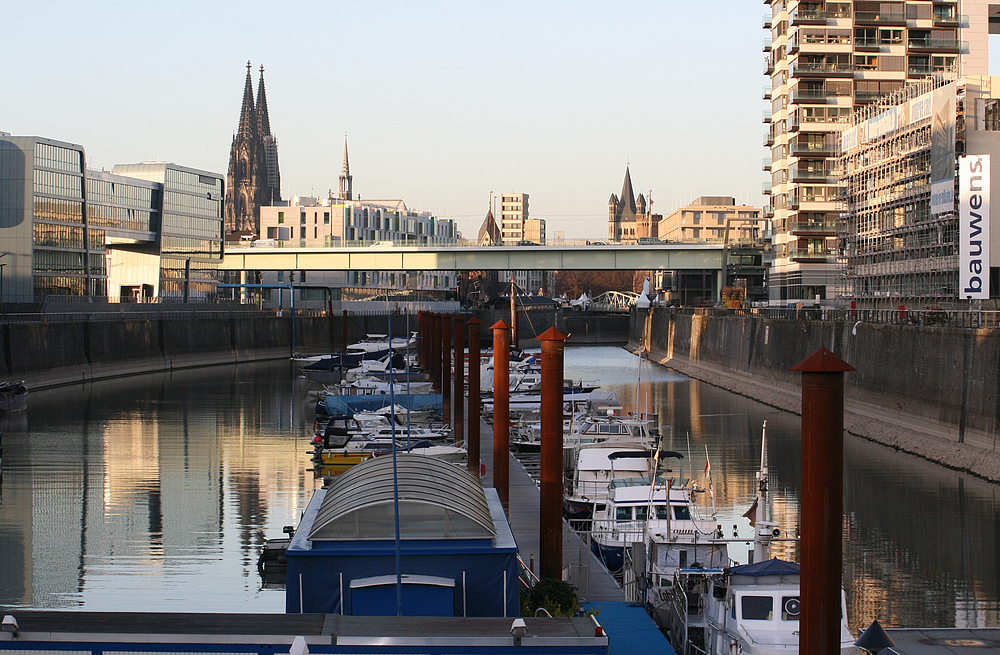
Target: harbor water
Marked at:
156, 492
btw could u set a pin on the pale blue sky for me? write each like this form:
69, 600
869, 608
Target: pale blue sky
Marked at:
442, 102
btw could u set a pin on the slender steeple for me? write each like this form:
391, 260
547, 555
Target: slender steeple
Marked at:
248, 116
346, 179
263, 122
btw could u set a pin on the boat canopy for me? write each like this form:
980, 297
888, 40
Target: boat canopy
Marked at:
773, 566
437, 500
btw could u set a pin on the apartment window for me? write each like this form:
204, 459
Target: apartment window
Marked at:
919, 11
865, 62
281, 217
326, 218
696, 218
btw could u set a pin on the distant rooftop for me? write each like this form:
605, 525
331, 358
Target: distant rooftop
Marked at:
714, 200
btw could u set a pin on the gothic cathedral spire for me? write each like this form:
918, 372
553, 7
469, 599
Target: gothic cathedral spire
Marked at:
253, 180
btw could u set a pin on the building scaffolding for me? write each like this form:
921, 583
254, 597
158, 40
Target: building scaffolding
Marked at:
894, 250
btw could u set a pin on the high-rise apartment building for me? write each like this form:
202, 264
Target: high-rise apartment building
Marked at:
513, 214
826, 60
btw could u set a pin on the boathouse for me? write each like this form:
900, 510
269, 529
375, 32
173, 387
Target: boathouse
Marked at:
455, 550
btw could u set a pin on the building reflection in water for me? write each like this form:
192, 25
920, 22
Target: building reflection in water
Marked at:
155, 492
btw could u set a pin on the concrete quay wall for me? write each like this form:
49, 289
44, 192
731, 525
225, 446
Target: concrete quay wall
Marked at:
48, 354
930, 391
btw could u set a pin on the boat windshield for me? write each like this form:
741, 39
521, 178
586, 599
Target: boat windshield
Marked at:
757, 608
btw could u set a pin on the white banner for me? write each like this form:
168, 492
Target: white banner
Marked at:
974, 227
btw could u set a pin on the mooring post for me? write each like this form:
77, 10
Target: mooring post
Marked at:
822, 501
446, 375
431, 346
501, 413
553, 343
421, 339
459, 392
472, 433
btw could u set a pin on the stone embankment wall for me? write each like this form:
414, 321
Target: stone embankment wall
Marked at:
47, 354
930, 391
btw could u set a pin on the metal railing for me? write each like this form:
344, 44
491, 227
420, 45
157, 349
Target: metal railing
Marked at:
927, 317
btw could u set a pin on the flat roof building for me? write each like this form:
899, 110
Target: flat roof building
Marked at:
903, 241
69, 231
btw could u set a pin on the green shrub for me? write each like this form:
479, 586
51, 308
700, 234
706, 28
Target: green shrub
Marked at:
557, 597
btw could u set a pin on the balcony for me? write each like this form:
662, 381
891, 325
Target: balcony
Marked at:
815, 228
768, 65
766, 93
923, 70
812, 255
768, 211
950, 19
809, 17
825, 148
767, 21
769, 138
822, 176
865, 97
867, 45
880, 18
767, 44
765, 163
766, 188
822, 69
937, 45
809, 96
766, 115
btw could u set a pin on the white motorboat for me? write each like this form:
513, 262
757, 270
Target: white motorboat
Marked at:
751, 609
659, 513
597, 465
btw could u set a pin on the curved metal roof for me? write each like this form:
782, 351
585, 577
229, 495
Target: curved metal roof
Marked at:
437, 500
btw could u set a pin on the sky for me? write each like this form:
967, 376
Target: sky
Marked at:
442, 102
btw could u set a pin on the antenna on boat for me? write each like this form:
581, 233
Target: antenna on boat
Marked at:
711, 488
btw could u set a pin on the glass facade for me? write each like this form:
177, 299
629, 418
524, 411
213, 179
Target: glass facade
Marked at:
59, 252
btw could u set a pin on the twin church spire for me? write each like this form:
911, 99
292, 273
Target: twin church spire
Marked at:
254, 179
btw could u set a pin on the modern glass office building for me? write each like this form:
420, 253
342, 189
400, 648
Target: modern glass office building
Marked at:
190, 228
143, 231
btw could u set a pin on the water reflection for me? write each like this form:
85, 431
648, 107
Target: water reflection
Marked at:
155, 493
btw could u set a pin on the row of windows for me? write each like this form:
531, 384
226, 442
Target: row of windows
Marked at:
118, 193
185, 181
184, 202
192, 247
59, 286
57, 236
53, 209
58, 184
192, 226
120, 217
63, 159
58, 261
